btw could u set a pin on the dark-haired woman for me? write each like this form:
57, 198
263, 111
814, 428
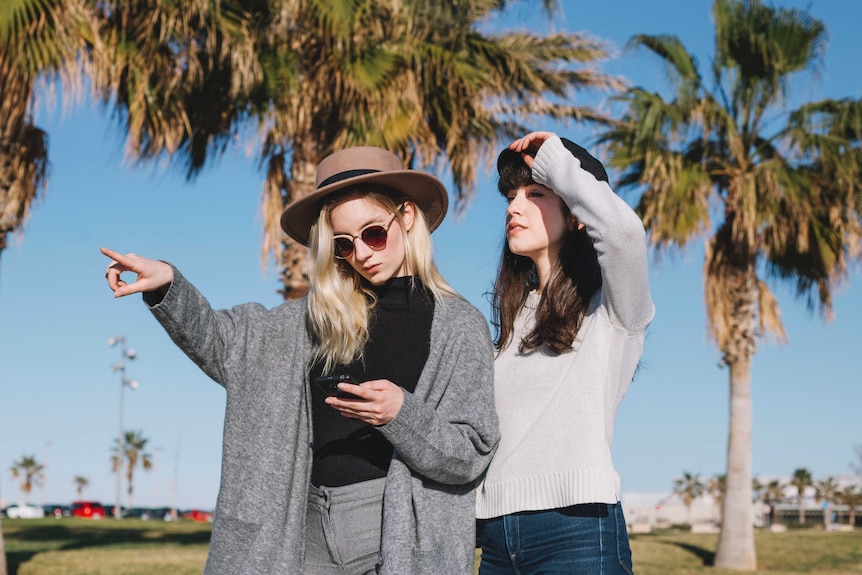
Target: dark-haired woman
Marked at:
571, 307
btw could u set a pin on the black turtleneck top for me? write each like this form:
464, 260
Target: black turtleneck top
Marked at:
347, 450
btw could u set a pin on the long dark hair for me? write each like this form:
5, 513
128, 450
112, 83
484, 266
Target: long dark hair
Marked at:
575, 278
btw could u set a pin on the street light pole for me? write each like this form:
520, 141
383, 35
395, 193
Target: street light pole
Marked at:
121, 367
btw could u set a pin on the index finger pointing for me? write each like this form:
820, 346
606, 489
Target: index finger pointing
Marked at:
110, 253
117, 257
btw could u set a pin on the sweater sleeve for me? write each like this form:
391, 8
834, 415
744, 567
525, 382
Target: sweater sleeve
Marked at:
205, 335
617, 233
450, 437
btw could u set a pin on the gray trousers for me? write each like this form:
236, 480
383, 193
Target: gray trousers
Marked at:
343, 529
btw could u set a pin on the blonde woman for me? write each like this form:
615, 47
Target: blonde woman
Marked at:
321, 475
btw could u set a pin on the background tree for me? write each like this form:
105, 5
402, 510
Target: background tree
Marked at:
801, 480
128, 455
81, 483
185, 79
688, 487
30, 472
774, 193
418, 78
826, 491
716, 486
851, 496
772, 494
39, 41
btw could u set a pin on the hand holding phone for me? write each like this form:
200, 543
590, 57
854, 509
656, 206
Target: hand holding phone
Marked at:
329, 385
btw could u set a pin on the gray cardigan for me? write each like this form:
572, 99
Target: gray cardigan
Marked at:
444, 436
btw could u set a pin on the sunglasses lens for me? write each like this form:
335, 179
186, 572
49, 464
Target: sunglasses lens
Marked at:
374, 237
343, 248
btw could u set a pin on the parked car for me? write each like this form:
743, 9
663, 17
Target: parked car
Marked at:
138, 513
24, 511
90, 510
198, 515
145, 513
57, 511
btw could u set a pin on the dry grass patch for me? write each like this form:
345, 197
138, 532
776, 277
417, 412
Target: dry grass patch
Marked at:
143, 560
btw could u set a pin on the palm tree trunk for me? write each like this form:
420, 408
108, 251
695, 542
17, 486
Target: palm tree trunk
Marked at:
129, 480
303, 175
294, 274
2, 553
736, 540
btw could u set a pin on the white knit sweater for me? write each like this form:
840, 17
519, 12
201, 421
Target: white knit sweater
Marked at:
557, 411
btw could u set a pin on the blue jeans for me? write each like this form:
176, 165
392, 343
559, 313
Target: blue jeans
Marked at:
588, 539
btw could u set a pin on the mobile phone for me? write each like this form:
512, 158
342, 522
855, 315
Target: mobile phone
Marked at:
329, 385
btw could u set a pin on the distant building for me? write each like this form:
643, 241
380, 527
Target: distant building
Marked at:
663, 509
649, 510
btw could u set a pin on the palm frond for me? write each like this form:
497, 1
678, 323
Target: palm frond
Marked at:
769, 315
18, 17
681, 65
758, 47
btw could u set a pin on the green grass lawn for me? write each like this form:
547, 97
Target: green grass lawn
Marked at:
135, 547
104, 547
797, 551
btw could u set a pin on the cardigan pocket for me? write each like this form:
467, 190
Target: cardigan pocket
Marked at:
231, 547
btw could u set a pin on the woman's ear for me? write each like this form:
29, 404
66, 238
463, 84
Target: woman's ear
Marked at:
408, 213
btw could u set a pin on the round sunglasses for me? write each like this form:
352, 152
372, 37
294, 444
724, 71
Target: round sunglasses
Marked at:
374, 236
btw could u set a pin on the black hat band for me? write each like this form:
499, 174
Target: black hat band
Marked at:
341, 176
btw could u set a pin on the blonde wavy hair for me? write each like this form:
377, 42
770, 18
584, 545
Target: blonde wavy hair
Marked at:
339, 300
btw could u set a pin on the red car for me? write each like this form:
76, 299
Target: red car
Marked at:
88, 510
198, 515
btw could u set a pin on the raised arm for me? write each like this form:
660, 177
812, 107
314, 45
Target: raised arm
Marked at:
202, 333
617, 233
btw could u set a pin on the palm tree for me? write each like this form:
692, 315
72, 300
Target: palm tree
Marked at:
772, 494
129, 454
689, 487
851, 496
31, 473
827, 490
774, 193
114, 46
801, 480
164, 66
416, 77
80, 482
716, 487
39, 41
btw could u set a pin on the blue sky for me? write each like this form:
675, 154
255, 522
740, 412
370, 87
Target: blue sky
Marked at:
59, 397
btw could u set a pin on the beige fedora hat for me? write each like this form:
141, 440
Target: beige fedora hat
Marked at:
365, 165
